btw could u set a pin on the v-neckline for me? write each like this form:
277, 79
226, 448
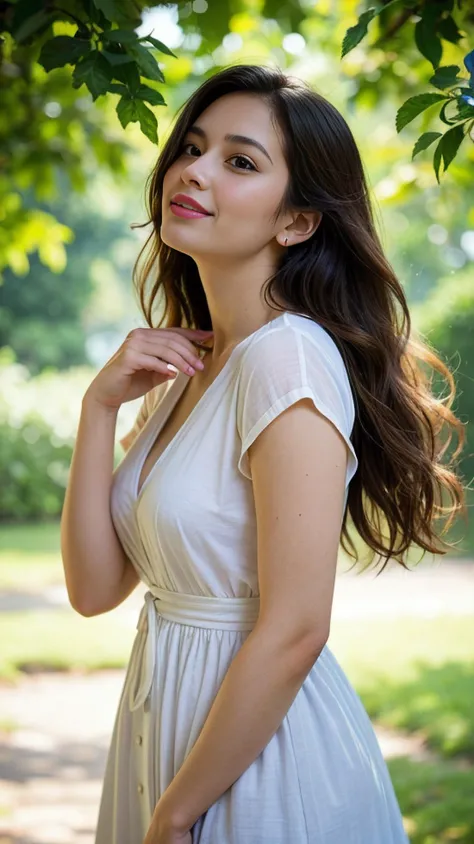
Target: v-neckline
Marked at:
182, 379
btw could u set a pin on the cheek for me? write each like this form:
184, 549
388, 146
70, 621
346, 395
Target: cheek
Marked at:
173, 174
256, 213
247, 199
168, 177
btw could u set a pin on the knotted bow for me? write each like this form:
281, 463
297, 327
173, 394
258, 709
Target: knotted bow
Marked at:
197, 610
143, 656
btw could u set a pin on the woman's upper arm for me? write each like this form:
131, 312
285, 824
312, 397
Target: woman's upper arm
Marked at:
298, 466
294, 416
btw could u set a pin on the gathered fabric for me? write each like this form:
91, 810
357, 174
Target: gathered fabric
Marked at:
196, 610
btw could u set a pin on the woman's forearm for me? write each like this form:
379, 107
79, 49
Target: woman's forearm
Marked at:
256, 693
93, 559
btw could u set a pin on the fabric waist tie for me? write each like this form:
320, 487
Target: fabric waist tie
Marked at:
195, 610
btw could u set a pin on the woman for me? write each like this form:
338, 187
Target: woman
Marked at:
236, 725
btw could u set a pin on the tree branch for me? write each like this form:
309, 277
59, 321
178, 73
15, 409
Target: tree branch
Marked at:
395, 26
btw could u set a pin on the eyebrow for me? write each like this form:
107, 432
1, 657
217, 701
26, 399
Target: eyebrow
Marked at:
238, 139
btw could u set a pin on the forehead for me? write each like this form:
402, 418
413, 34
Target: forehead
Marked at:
241, 113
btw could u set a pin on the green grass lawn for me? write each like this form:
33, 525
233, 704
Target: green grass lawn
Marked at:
30, 556
61, 640
42, 537
415, 674
436, 801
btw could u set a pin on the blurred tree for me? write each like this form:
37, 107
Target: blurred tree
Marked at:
109, 56
46, 129
46, 323
429, 23
64, 71
53, 53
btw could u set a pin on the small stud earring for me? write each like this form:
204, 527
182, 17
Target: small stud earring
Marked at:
286, 240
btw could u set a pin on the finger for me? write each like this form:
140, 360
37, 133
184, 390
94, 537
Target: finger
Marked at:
178, 359
195, 330
179, 352
188, 332
152, 364
195, 336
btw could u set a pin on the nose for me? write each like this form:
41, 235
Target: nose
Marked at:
195, 172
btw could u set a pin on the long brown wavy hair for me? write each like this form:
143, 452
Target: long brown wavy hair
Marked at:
340, 278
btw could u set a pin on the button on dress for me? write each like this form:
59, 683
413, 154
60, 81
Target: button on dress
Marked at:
191, 534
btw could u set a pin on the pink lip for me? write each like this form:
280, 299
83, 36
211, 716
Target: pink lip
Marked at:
188, 200
187, 212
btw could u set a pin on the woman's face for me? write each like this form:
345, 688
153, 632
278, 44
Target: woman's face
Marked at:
238, 183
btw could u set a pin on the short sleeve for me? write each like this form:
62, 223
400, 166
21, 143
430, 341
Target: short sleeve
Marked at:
283, 366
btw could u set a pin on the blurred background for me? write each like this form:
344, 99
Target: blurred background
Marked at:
72, 185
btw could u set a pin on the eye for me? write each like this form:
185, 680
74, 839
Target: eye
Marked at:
247, 160
241, 157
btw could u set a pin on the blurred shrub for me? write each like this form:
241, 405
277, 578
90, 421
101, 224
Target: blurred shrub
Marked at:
38, 425
33, 471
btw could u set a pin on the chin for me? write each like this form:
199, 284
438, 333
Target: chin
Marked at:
178, 245
178, 240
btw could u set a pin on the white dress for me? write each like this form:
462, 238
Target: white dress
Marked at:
191, 534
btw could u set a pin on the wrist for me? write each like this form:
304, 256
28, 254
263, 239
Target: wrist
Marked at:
172, 818
91, 403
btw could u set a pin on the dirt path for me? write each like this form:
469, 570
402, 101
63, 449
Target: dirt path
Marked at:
51, 767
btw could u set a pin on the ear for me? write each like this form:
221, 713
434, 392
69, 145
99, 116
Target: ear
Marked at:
302, 227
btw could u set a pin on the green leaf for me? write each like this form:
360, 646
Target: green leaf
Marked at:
446, 77
123, 36
146, 62
437, 160
414, 106
31, 25
355, 34
447, 148
428, 43
129, 74
119, 11
150, 95
450, 143
448, 29
465, 111
109, 8
126, 111
449, 121
119, 89
131, 111
424, 141
116, 58
159, 46
148, 122
62, 50
93, 71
